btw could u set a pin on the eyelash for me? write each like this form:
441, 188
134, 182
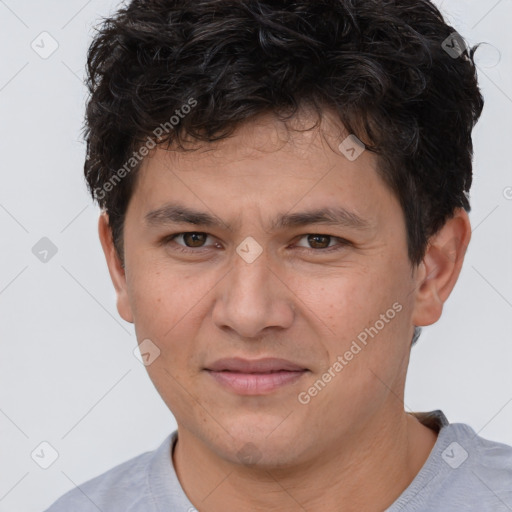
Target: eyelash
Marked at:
342, 243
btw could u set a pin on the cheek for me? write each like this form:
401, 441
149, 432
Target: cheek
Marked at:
159, 297
345, 302
364, 308
169, 308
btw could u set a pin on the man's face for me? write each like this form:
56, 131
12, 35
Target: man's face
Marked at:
305, 299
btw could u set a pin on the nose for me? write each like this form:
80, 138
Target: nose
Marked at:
253, 297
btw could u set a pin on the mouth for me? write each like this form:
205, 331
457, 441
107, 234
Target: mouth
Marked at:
255, 377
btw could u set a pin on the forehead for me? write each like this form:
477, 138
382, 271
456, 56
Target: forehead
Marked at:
306, 136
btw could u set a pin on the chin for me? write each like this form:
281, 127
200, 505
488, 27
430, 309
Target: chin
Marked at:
258, 443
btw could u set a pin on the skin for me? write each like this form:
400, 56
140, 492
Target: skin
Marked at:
352, 447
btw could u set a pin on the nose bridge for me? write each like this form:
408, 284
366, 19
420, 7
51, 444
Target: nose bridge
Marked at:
250, 279
251, 269
252, 297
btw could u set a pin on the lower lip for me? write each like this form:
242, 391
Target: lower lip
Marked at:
255, 383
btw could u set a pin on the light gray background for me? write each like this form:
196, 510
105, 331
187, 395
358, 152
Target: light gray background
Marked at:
68, 374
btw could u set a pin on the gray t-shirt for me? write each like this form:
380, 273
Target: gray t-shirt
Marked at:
464, 472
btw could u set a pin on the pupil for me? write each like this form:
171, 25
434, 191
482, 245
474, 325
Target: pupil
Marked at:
195, 236
313, 240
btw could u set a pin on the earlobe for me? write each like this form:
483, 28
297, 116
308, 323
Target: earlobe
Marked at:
115, 268
441, 267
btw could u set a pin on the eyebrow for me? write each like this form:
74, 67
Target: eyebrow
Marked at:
173, 213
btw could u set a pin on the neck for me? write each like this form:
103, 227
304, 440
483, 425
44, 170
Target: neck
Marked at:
367, 472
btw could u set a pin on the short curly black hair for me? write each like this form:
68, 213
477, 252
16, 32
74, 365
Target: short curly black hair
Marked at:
394, 72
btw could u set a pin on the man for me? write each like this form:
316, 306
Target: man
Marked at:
284, 189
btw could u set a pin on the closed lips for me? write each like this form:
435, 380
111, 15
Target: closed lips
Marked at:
266, 365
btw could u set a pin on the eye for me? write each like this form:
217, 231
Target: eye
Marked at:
192, 240
320, 242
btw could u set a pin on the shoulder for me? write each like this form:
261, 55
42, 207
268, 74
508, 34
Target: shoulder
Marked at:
476, 467
490, 459
464, 450
464, 471
123, 488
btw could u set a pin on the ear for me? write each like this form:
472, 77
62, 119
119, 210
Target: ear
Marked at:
440, 268
115, 268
